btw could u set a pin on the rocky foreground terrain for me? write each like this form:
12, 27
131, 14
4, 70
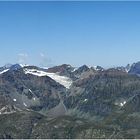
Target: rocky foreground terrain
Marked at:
67, 102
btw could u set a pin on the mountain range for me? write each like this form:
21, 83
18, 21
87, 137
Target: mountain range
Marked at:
68, 102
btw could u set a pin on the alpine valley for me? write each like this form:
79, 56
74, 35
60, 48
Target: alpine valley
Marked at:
69, 103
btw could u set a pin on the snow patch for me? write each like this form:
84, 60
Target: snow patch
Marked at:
127, 70
123, 103
30, 90
120, 103
14, 100
63, 80
85, 100
97, 69
4, 110
23, 65
55, 126
76, 68
69, 66
24, 104
35, 72
34, 99
4, 71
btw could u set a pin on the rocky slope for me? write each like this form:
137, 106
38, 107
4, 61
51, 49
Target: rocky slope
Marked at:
68, 102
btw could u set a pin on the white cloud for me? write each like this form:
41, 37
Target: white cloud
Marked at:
45, 60
22, 58
42, 55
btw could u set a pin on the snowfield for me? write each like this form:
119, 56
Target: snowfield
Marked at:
4, 71
63, 80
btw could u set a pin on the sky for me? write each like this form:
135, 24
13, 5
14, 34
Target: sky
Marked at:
76, 33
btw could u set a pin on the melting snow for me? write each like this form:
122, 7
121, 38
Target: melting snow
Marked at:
34, 99
63, 80
4, 71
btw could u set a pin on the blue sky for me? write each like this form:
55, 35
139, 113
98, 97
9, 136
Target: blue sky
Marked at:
53, 33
